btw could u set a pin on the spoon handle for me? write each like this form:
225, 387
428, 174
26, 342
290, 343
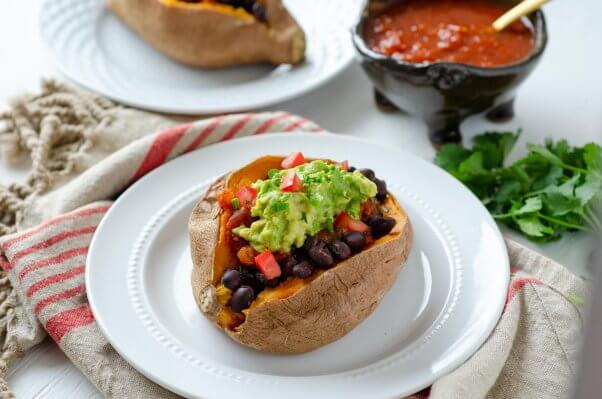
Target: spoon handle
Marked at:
520, 10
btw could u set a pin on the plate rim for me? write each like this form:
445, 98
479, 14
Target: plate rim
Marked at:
64, 70
466, 354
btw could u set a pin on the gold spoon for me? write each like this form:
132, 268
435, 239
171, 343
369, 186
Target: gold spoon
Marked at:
518, 11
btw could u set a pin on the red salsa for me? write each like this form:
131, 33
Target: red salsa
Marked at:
456, 31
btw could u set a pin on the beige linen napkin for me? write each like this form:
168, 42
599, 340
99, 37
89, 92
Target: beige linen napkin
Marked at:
86, 150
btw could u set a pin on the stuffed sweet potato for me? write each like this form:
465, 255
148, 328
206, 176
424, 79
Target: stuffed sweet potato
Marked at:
290, 254
216, 33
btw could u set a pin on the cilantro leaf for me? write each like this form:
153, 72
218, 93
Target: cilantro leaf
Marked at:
550, 191
550, 177
451, 156
559, 204
531, 205
533, 227
592, 155
589, 189
508, 189
495, 147
545, 153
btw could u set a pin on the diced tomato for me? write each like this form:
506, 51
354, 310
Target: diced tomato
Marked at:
347, 223
224, 198
238, 218
291, 183
246, 196
266, 263
246, 255
345, 165
294, 159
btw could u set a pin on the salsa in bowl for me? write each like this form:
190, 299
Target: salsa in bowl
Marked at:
442, 61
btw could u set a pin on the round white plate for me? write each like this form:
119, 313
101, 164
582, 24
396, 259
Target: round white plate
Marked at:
443, 306
94, 48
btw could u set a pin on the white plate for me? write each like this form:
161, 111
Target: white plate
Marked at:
441, 309
94, 48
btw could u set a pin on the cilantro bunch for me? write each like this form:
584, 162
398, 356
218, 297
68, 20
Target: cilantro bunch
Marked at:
554, 189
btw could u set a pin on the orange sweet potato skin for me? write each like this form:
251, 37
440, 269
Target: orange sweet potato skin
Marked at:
203, 37
317, 314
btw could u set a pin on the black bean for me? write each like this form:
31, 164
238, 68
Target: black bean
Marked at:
242, 298
340, 249
351, 169
287, 265
381, 187
231, 279
369, 173
303, 269
380, 226
259, 12
355, 240
299, 254
249, 278
320, 255
263, 280
310, 242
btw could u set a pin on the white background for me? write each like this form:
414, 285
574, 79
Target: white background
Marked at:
563, 98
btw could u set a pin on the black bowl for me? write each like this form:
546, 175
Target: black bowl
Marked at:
443, 94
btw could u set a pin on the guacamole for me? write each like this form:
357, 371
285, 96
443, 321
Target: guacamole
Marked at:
286, 219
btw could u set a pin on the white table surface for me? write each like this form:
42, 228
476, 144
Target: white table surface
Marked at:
563, 98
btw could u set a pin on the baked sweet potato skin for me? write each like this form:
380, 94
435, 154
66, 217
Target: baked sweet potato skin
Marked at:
209, 38
317, 314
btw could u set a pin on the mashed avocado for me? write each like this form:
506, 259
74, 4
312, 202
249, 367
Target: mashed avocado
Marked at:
286, 219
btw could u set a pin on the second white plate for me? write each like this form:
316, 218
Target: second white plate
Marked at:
443, 306
94, 48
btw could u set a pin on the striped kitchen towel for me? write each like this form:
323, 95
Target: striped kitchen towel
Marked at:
531, 353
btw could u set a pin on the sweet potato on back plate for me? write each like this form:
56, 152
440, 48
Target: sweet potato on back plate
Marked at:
299, 314
215, 35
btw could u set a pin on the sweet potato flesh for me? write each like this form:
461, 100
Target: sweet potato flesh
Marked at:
224, 257
212, 6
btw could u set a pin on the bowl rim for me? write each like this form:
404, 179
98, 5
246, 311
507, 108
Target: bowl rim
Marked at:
541, 40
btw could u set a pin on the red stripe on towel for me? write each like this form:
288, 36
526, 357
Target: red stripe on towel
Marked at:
5, 263
51, 241
295, 125
63, 218
57, 278
62, 323
200, 139
160, 149
55, 260
238, 126
270, 122
518, 284
70, 293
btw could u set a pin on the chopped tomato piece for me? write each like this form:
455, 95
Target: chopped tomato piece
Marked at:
345, 165
294, 159
238, 218
246, 196
291, 183
246, 255
347, 223
266, 263
224, 198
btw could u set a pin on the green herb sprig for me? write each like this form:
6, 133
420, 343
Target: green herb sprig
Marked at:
554, 189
